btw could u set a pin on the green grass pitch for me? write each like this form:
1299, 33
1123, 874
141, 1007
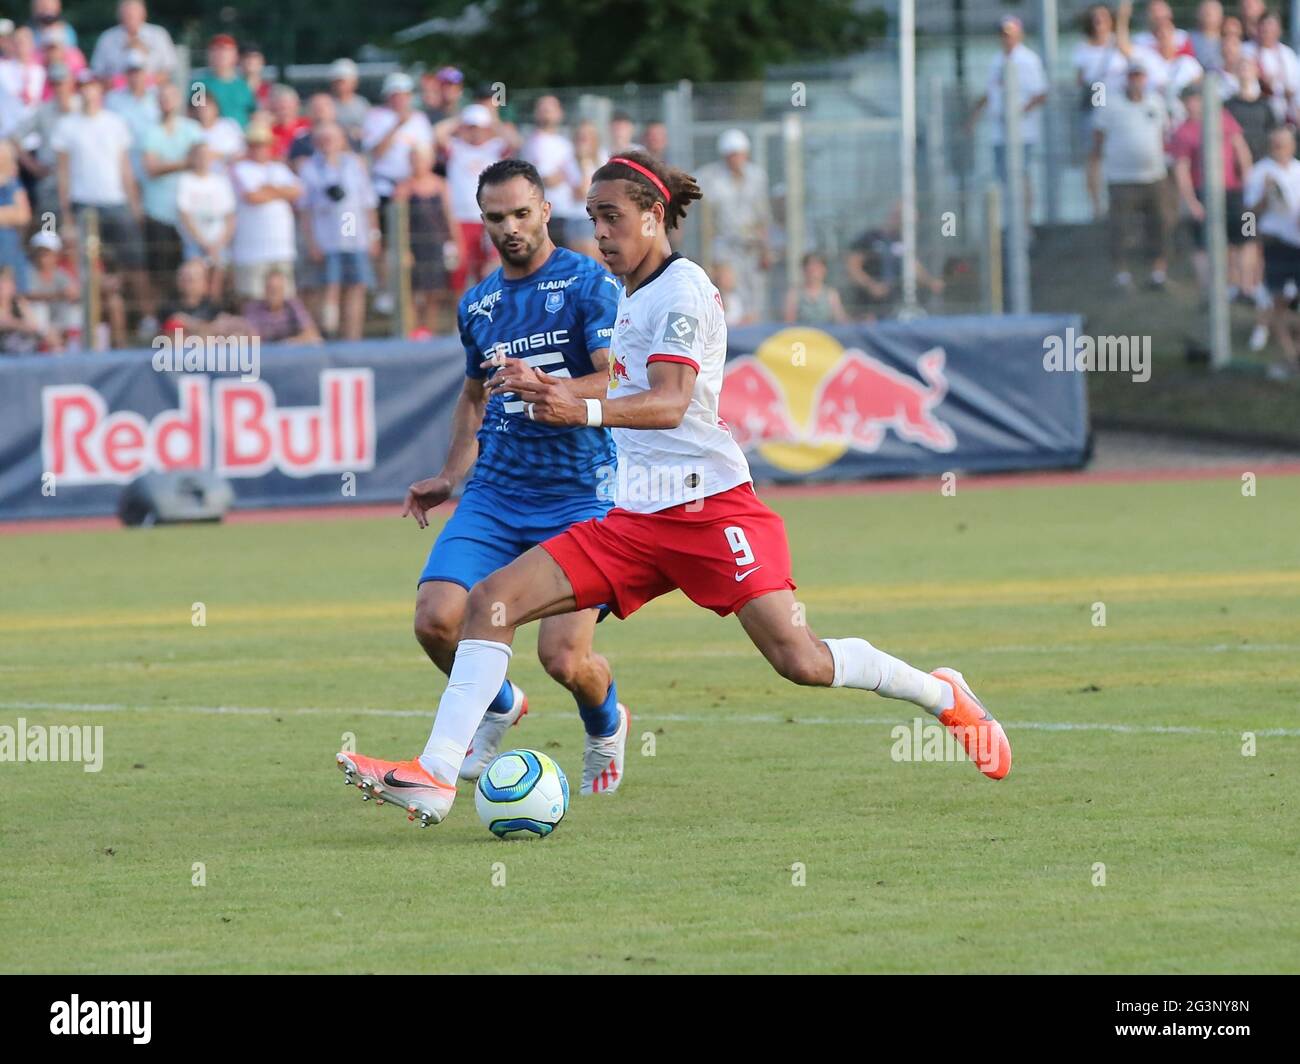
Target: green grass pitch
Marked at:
1128, 740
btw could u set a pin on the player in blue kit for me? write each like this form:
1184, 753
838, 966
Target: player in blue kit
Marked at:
551, 309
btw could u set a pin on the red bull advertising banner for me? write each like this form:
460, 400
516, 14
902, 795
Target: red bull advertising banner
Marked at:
343, 422
900, 398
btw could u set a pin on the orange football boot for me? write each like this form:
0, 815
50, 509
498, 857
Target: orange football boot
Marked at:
982, 737
405, 784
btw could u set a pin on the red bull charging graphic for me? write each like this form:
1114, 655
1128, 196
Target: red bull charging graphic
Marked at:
803, 400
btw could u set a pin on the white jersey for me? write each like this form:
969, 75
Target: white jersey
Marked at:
674, 316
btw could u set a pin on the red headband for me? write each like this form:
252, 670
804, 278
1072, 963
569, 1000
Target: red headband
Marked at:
646, 173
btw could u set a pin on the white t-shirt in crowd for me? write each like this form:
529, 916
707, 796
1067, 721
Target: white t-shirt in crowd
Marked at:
1168, 77
465, 161
264, 232
1279, 68
1133, 151
552, 153
1104, 63
95, 146
1276, 187
24, 81
1147, 39
208, 200
1031, 81
226, 140
394, 165
676, 316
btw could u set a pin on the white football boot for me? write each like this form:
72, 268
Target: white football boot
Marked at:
487, 740
602, 760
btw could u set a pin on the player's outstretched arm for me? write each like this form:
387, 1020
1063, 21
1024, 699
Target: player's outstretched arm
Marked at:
661, 406
466, 420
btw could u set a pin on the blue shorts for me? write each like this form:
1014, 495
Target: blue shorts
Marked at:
491, 529
347, 268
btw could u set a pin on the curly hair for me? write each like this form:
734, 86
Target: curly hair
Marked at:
683, 189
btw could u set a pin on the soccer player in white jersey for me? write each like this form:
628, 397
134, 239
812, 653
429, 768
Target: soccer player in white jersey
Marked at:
686, 515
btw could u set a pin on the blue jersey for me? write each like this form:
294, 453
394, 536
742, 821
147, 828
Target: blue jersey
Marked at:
552, 319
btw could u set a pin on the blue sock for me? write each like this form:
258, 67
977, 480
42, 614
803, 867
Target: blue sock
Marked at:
601, 721
504, 700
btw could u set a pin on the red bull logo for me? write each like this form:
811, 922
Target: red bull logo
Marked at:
864, 398
617, 371
753, 405
233, 427
801, 400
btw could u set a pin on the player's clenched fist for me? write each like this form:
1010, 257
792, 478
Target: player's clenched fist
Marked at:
423, 496
549, 401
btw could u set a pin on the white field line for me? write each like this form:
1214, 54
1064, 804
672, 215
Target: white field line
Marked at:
672, 718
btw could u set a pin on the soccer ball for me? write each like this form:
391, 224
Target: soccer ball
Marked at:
522, 794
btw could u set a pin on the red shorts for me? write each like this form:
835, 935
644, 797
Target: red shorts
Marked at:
479, 254
722, 552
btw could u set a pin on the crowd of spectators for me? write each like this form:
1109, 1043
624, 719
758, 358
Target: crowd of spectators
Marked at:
225, 202
1142, 96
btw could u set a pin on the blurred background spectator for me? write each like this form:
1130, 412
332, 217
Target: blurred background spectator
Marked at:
252, 63
265, 234
471, 142
166, 152
279, 318
552, 152
226, 82
205, 209
92, 147
738, 206
133, 35
813, 301
20, 332
1129, 148
52, 292
350, 107
221, 134
342, 231
437, 244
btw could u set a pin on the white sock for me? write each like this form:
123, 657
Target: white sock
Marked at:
859, 664
476, 677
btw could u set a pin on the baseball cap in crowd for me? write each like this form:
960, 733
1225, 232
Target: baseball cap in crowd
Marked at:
57, 72
450, 75
222, 40
45, 238
733, 140
476, 115
6, 26
54, 35
398, 82
135, 61
343, 70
